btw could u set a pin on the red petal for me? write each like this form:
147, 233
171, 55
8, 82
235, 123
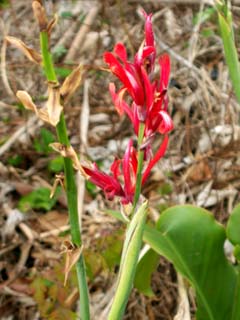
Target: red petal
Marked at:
159, 154
107, 183
143, 53
120, 51
164, 62
119, 103
149, 37
136, 89
147, 88
116, 68
166, 123
115, 168
126, 169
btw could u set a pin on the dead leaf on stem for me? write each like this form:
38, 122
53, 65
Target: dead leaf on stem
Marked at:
40, 15
69, 152
51, 112
71, 83
52, 24
30, 53
73, 253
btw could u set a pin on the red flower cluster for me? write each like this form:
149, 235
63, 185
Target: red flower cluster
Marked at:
149, 106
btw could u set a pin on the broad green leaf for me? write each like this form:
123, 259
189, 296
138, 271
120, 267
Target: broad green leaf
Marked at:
233, 226
146, 266
233, 234
193, 241
237, 252
236, 301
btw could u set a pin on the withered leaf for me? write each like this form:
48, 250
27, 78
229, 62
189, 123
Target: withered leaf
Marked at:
40, 15
53, 106
71, 83
52, 110
69, 152
26, 100
72, 255
30, 53
52, 24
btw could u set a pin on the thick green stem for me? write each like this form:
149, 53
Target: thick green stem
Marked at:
132, 243
140, 165
71, 187
131, 249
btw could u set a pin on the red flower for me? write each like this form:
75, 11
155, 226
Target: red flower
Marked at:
109, 184
149, 106
125, 168
149, 97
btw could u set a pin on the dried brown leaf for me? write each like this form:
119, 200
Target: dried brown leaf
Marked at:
59, 180
30, 53
69, 152
40, 15
26, 100
52, 110
53, 107
52, 24
72, 255
71, 83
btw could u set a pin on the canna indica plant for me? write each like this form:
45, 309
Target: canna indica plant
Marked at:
188, 236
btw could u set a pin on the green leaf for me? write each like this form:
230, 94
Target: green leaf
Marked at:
38, 199
112, 253
4, 4
56, 164
42, 143
15, 161
207, 32
63, 72
233, 226
231, 55
146, 266
116, 214
193, 241
236, 252
91, 188
165, 189
66, 14
203, 15
95, 263
233, 234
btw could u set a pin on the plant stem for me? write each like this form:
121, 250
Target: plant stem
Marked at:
71, 187
140, 165
129, 259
